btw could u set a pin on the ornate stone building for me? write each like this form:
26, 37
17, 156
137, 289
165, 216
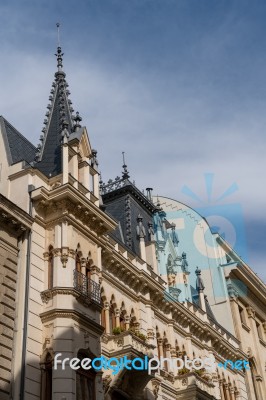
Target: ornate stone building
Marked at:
92, 270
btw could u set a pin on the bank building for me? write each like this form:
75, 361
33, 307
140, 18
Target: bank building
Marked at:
92, 269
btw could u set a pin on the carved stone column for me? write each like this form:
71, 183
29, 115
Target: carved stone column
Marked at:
95, 273
227, 393
117, 318
127, 322
136, 327
255, 340
83, 265
221, 389
232, 393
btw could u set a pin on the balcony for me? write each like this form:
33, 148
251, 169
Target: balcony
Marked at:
87, 288
195, 386
84, 289
126, 343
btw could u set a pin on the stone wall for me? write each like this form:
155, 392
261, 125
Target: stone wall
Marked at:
8, 280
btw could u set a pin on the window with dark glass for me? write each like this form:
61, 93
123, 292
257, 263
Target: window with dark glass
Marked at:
259, 330
85, 381
78, 263
242, 315
103, 322
111, 318
47, 378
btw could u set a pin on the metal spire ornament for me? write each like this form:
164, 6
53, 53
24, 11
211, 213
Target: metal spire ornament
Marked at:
125, 174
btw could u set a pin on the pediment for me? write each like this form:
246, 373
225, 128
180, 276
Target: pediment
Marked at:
81, 135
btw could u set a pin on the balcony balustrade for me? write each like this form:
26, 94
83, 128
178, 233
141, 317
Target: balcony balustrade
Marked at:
87, 287
125, 343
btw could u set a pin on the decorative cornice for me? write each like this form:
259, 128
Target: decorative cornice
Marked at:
13, 217
47, 295
67, 200
232, 291
250, 312
74, 315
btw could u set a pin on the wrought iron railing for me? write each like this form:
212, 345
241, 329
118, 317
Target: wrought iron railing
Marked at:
87, 287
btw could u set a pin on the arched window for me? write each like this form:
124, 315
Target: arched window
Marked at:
122, 322
78, 263
122, 318
85, 380
132, 320
50, 268
105, 310
89, 265
47, 377
111, 318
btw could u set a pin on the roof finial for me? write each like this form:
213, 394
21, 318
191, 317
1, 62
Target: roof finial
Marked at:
125, 174
59, 54
58, 34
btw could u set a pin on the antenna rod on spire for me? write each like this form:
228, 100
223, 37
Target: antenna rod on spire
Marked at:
59, 54
58, 34
125, 174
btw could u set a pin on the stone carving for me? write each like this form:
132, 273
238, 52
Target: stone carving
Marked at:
199, 283
251, 312
155, 390
140, 228
150, 231
184, 263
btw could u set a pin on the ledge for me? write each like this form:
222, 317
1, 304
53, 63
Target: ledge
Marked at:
48, 294
124, 343
13, 217
244, 326
66, 200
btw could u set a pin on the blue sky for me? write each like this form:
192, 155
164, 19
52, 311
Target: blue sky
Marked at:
180, 86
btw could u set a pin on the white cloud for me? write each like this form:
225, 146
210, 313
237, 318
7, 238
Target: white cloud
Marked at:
173, 130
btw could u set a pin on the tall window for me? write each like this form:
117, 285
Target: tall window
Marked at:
242, 315
259, 330
47, 378
254, 381
122, 321
103, 322
78, 263
85, 381
111, 318
50, 268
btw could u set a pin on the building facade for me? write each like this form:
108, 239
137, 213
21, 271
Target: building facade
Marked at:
92, 270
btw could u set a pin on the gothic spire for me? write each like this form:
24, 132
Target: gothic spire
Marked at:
59, 121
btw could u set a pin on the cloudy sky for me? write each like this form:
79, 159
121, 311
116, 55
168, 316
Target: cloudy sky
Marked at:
179, 85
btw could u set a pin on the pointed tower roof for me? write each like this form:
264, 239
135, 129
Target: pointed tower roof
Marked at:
59, 116
18, 148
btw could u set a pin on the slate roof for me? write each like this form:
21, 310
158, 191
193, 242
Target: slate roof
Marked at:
195, 300
47, 157
17, 146
59, 115
125, 204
